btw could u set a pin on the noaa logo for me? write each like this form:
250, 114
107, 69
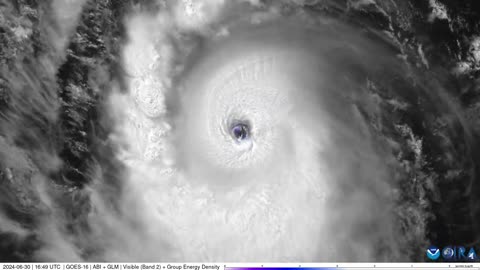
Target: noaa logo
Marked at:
433, 253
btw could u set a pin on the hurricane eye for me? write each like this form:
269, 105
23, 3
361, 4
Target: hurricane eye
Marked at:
240, 131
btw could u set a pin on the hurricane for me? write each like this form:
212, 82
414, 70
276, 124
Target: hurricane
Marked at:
256, 131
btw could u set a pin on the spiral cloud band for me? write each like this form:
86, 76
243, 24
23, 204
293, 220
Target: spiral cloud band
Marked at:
262, 143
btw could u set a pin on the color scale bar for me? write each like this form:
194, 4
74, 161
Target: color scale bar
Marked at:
282, 268
344, 268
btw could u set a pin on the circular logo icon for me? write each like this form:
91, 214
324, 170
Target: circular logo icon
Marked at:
448, 253
433, 252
